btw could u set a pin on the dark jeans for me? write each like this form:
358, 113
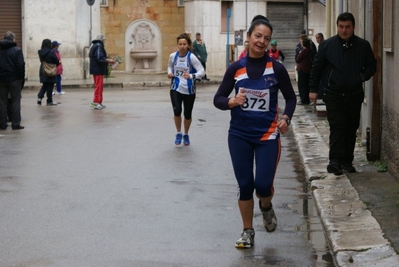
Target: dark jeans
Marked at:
48, 89
14, 89
303, 86
58, 83
343, 115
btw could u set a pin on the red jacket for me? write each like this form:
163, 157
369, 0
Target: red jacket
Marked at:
59, 67
304, 61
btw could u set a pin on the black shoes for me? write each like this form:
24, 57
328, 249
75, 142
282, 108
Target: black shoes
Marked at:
337, 169
39, 101
334, 167
18, 127
348, 168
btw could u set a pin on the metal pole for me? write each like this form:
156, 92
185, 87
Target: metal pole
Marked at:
246, 15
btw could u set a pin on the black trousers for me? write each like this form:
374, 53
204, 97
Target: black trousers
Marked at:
343, 115
14, 89
303, 86
47, 88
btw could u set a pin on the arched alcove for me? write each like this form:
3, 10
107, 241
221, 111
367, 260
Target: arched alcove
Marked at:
143, 49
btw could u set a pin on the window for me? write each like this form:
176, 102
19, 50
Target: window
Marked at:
225, 6
180, 3
104, 3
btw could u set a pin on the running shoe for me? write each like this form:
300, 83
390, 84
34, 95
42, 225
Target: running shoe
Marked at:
39, 101
247, 239
186, 140
178, 139
269, 218
96, 106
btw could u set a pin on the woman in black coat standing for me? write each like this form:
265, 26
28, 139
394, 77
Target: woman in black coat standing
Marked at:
47, 54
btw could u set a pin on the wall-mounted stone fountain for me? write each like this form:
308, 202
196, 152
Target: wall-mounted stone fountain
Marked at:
143, 49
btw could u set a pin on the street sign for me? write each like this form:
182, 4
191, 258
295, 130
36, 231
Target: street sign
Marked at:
90, 2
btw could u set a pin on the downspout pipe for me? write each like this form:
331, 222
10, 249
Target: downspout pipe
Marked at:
86, 48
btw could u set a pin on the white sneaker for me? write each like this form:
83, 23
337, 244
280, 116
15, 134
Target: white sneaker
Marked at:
96, 106
60, 93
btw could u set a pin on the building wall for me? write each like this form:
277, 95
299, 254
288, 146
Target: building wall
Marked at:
316, 20
199, 19
390, 98
117, 17
68, 22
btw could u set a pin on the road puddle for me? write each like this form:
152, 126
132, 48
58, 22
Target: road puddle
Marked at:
313, 228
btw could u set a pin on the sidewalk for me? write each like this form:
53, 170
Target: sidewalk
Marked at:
359, 211
119, 80
347, 203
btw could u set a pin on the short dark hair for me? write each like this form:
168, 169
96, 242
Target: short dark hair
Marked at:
346, 17
320, 34
9, 35
257, 20
306, 42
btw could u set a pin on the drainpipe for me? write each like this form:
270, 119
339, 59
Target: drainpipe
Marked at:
305, 15
374, 148
246, 16
87, 47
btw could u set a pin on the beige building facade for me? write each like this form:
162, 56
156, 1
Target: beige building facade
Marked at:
70, 22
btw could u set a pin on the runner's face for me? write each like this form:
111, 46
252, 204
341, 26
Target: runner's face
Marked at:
345, 29
182, 45
259, 40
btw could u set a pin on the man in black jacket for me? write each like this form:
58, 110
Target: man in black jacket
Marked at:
345, 61
12, 76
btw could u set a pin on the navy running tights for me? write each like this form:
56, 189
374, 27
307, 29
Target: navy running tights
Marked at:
266, 155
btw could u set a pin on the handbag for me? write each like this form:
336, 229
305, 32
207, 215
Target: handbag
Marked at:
49, 70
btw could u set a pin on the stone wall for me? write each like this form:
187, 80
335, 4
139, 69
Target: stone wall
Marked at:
390, 140
116, 18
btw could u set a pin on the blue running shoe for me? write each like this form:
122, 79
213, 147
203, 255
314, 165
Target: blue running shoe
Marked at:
186, 141
178, 139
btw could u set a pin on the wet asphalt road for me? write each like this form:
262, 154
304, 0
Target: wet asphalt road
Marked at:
83, 187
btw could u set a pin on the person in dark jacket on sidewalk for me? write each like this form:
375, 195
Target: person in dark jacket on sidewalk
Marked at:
12, 77
303, 66
346, 61
47, 54
98, 68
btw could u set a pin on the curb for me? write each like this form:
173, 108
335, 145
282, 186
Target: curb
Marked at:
117, 85
354, 235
